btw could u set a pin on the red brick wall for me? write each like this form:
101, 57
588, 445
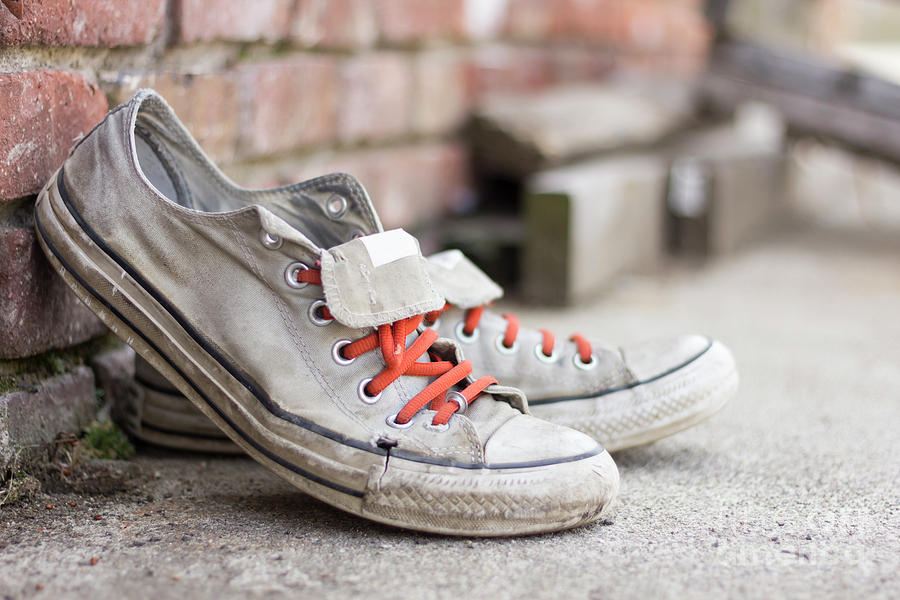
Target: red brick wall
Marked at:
278, 90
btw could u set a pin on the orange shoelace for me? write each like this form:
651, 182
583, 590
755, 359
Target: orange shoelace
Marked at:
400, 360
473, 317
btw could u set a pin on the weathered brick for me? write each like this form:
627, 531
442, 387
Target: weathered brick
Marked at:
415, 184
375, 97
206, 103
83, 23
38, 312
644, 26
534, 19
408, 184
594, 20
44, 112
334, 24
505, 69
656, 29
689, 34
485, 19
577, 64
672, 38
441, 95
64, 402
414, 21
288, 104
232, 20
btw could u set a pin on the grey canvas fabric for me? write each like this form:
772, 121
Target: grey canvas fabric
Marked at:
627, 395
460, 281
202, 278
623, 396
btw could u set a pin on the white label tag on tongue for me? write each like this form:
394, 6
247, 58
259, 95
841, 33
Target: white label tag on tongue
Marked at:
386, 247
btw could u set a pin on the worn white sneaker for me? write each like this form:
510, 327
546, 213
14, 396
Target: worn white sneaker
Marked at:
622, 397
300, 345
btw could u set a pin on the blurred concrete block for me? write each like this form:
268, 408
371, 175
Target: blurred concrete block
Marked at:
589, 222
839, 189
519, 135
727, 184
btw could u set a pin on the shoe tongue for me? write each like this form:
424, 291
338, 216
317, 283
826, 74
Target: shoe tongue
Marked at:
377, 279
460, 281
496, 406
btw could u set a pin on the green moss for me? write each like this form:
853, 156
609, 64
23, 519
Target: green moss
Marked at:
26, 373
105, 440
18, 485
54, 363
8, 384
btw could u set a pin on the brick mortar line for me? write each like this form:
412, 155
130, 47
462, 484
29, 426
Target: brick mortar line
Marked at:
157, 57
312, 151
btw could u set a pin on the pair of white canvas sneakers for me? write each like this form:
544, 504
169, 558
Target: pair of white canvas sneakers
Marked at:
288, 324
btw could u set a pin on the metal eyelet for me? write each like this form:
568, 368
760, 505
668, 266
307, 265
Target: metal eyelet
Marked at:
459, 399
392, 421
313, 313
336, 354
438, 428
539, 353
585, 366
291, 272
503, 348
336, 205
270, 241
365, 397
462, 336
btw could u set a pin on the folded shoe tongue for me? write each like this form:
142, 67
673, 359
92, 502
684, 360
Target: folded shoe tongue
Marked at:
377, 279
460, 281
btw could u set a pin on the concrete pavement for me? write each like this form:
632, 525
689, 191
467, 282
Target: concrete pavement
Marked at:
791, 491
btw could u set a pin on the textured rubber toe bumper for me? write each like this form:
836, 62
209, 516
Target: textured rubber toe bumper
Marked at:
518, 501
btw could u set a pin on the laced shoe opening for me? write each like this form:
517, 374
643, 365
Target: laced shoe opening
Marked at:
467, 331
401, 346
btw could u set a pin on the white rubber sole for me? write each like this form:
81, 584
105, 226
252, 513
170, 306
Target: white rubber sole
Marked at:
654, 410
170, 420
665, 407
390, 489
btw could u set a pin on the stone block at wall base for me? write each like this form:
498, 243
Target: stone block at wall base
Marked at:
35, 415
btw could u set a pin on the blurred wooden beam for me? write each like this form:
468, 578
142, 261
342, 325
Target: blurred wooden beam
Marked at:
858, 110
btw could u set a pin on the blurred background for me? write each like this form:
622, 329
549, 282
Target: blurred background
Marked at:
527, 132
656, 166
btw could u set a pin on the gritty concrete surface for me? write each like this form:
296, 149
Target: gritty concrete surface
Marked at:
791, 491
